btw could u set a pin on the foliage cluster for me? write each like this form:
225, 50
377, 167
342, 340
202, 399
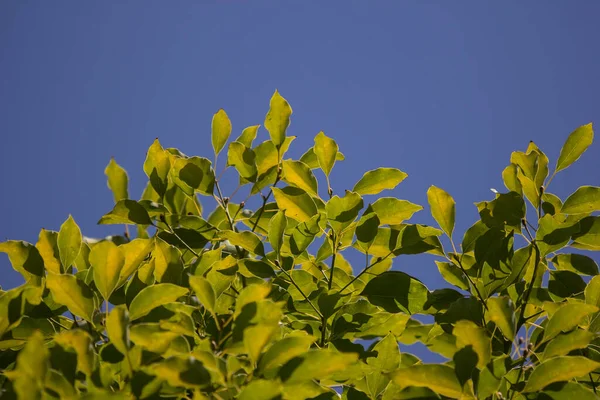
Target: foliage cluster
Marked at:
263, 304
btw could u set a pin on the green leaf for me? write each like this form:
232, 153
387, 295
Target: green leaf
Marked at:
243, 160
48, 248
530, 189
567, 317
80, 341
73, 293
117, 328
278, 118
127, 212
135, 252
256, 337
168, 265
341, 211
501, 311
32, 367
442, 209
296, 173
246, 240
392, 211
559, 369
469, 334
387, 353
326, 150
585, 200
396, 291
367, 230
439, 378
153, 296
304, 234
157, 166
277, 226
24, 257
296, 203
117, 180
317, 364
221, 129
575, 263
205, 292
588, 237
260, 389
453, 275
248, 135
563, 344
592, 291
107, 262
284, 350
69, 242
377, 180
310, 158
194, 174
577, 143
568, 391
511, 180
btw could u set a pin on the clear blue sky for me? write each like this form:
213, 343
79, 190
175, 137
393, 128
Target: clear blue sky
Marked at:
442, 90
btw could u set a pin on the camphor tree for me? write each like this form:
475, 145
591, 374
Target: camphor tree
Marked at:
263, 304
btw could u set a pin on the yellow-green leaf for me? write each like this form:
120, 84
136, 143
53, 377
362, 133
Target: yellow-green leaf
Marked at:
31, 369
73, 293
24, 257
568, 316
246, 240
69, 242
511, 181
277, 226
153, 296
296, 203
80, 341
585, 200
126, 212
442, 208
559, 369
326, 150
439, 378
248, 135
392, 211
342, 211
117, 328
107, 261
194, 174
310, 158
278, 118
243, 160
469, 334
157, 166
204, 292
134, 252
221, 129
501, 311
296, 173
577, 143
377, 180
48, 248
563, 344
320, 364
117, 180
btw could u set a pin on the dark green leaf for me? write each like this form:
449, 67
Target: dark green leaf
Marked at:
396, 291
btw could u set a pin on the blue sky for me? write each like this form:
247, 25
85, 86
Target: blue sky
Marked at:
441, 90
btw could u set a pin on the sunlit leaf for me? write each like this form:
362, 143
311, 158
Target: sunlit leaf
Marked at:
341, 211
278, 118
117, 328
48, 248
24, 257
117, 180
326, 150
442, 208
127, 212
392, 211
73, 293
377, 180
567, 317
221, 129
248, 135
585, 200
194, 174
296, 173
296, 203
204, 291
277, 227
469, 334
243, 160
153, 296
501, 311
107, 260
559, 369
157, 166
577, 143
439, 378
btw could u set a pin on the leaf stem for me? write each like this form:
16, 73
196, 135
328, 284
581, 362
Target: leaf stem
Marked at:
330, 283
297, 287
